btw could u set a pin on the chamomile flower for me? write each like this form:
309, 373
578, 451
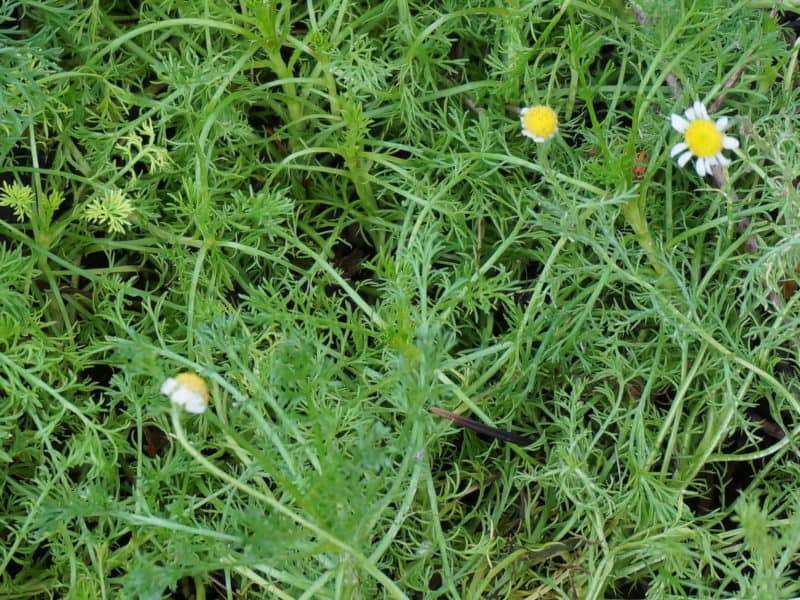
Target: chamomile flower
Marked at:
187, 390
539, 122
702, 138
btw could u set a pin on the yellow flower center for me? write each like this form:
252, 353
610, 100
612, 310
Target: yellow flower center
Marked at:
194, 383
541, 121
703, 138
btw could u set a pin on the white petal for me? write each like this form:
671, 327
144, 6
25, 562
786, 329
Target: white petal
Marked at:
679, 124
196, 405
700, 110
722, 160
700, 167
684, 158
722, 123
730, 143
522, 111
690, 113
677, 149
533, 136
168, 386
183, 396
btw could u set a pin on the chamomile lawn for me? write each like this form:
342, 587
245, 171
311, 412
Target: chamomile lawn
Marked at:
308, 224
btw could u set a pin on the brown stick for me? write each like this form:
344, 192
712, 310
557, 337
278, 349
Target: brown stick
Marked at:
728, 85
477, 426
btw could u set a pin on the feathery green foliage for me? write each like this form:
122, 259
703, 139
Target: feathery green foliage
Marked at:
326, 209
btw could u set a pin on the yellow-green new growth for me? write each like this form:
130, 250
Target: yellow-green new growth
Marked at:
19, 198
112, 210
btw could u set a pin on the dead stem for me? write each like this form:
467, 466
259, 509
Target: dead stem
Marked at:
729, 83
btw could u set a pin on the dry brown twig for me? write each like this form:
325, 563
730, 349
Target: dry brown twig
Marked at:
729, 83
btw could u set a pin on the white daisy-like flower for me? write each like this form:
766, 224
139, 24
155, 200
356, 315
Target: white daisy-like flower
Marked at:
187, 390
539, 123
702, 138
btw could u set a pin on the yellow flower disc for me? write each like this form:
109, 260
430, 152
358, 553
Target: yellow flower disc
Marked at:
541, 121
193, 383
703, 138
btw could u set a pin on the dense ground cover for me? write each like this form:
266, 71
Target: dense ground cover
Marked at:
326, 209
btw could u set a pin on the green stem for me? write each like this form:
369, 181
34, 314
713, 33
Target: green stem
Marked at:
199, 588
280, 68
267, 21
634, 214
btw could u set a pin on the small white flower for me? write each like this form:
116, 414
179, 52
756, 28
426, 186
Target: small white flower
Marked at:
539, 123
702, 138
187, 390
